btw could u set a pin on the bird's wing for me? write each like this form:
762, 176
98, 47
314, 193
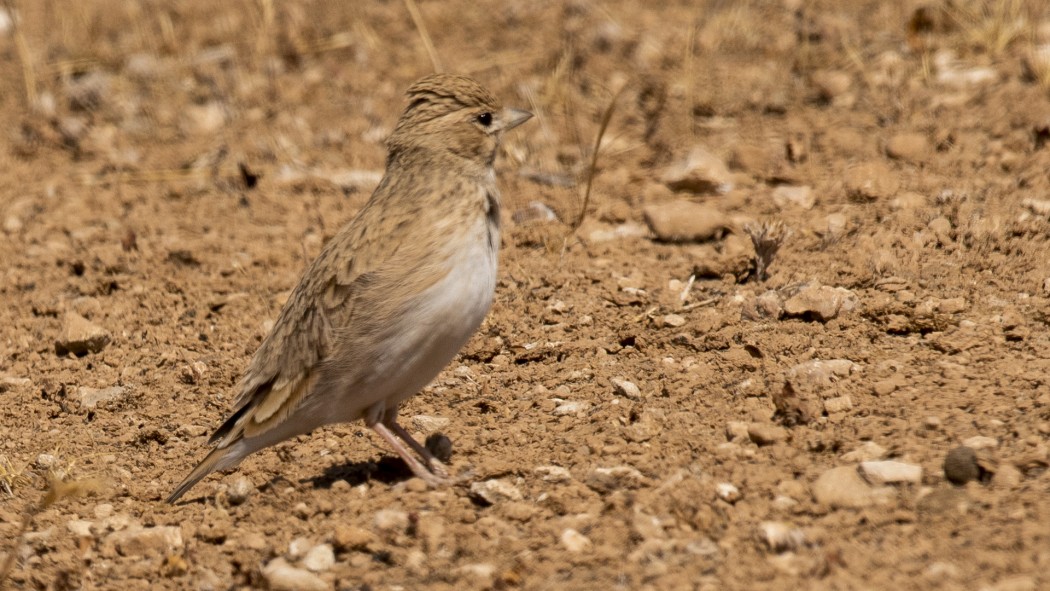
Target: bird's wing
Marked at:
345, 298
285, 368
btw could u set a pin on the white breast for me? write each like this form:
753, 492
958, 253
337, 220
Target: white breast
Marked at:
440, 321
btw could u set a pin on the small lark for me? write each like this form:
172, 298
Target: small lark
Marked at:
393, 296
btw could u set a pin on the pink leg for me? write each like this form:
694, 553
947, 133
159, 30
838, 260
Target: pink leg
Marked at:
414, 464
435, 464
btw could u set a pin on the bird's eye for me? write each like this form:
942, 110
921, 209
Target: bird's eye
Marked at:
485, 119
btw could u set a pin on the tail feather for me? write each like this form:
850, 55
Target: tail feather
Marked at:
213, 461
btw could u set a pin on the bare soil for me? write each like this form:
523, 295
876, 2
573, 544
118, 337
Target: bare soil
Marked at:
184, 161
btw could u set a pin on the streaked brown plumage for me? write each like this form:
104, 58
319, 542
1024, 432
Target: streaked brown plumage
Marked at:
393, 296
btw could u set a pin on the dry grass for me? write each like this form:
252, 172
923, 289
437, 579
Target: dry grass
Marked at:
25, 57
424, 35
767, 239
11, 477
58, 489
993, 25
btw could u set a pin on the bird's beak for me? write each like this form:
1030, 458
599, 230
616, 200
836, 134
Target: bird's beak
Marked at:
514, 117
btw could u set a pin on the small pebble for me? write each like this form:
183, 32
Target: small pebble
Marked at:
495, 491
391, 520
281, 576
765, 433
626, 389
673, 320
320, 558
298, 548
979, 442
574, 541
239, 491
960, 465
727, 492
780, 537
553, 473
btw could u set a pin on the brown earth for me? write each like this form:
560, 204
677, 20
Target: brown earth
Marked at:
183, 162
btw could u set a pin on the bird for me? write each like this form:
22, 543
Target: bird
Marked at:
394, 294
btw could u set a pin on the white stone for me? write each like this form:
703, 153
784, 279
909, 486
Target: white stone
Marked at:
574, 541
429, 424
320, 558
780, 537
843, 487
979, 442
626, 389
80, 527
606, 480
391, 520
553, 473
866, 452
92, 397
571, 407
890, 472
281, 576
495, 491
240, 490
298, 548
727, 492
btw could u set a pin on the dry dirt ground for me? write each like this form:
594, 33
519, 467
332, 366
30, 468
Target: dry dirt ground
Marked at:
182, 162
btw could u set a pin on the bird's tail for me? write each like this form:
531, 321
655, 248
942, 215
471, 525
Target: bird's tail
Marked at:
219, 458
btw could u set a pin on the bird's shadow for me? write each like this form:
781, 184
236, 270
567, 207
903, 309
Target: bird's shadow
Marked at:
388, 470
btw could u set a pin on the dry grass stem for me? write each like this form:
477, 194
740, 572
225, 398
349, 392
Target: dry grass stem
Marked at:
25, 57
421, 27
57, 490
592, 168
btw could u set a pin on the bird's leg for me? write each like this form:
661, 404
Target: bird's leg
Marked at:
413, 462
390, 420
